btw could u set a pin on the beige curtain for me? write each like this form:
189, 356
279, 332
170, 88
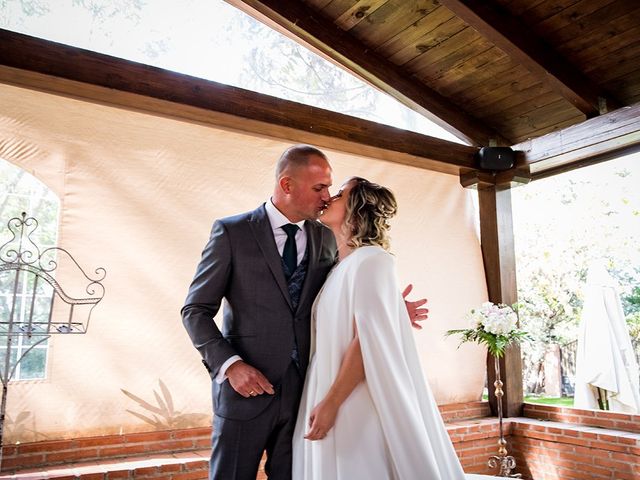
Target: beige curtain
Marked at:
138, 195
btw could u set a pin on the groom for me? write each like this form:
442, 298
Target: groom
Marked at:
268, 264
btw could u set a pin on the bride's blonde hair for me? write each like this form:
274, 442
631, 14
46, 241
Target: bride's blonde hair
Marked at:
369, 208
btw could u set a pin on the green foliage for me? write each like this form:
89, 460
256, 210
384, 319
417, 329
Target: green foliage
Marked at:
561, 224
557, 401
631, 302
496, 344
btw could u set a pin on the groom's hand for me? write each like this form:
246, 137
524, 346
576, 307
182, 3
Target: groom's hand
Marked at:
248, 381
416, 314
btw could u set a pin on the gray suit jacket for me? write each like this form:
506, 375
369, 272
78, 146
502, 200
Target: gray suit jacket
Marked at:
241, 264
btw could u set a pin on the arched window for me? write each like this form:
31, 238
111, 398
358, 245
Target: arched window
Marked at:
22, 192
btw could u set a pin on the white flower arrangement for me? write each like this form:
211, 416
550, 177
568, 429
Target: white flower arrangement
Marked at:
495, 325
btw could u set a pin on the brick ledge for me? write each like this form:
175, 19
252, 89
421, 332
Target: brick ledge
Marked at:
178, 466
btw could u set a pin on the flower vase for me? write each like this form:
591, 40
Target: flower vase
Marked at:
506, 463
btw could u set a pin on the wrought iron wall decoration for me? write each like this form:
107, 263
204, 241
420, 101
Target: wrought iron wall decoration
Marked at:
29, 273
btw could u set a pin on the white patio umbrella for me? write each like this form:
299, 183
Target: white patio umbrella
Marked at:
606, 365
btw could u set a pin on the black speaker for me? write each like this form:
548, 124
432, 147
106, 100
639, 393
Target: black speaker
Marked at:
496, 158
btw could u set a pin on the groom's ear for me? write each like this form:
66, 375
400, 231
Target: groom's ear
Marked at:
285, 184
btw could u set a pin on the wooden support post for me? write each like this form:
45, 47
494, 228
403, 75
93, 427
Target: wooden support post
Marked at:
496, 236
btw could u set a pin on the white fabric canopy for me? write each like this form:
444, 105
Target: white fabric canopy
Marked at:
605, 356
138, 195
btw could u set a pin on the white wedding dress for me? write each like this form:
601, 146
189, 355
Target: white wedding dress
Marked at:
390, 426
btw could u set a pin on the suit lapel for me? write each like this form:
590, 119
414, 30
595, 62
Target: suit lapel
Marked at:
263, 234
314, 244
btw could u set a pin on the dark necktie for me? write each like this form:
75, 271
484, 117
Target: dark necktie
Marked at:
290, 252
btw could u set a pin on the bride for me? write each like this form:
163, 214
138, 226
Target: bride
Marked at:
366, 411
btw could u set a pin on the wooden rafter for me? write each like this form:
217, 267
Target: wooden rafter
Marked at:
594, 140
312, 29
516, 39
34, 63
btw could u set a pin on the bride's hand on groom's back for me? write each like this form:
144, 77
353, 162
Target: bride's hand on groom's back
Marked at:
416, 314
321, 420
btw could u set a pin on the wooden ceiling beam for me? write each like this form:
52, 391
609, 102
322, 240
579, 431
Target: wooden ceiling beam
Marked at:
55, 68
595, 140
512, 36
304, 24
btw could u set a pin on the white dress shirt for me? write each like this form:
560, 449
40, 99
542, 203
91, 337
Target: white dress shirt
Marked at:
277, 219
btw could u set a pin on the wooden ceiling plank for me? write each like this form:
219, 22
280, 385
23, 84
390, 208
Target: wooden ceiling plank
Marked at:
582, 46
505, 81
513, 106
548, 116
611, 134
512, 82
452, 86
344, 49
71, 71
617, 64
393, 17
514, 37
547, 130
357, 13
614, 47
318, 4
627, 85
541, 11
456, 66
589, 25
404, 43
427, 62
435, 43
463, 64
576, 13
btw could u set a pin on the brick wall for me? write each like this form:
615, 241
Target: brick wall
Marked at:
93, 449
592, 418
570, 444
549, 443
163, 454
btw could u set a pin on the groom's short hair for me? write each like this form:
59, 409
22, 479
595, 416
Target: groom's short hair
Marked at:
295, 157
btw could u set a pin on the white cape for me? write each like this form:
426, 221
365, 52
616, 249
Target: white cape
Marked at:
390, 426
605, 358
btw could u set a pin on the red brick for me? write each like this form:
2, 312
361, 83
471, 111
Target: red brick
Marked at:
118, 474
84, 454
605, 472
191, 475
123, 450
193, 433
171, 445
99, 441
9, 450
138, 472
202, 443
147, 437
22, 461
171, 467
92, 476
191, 466
633, 426
43, 447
